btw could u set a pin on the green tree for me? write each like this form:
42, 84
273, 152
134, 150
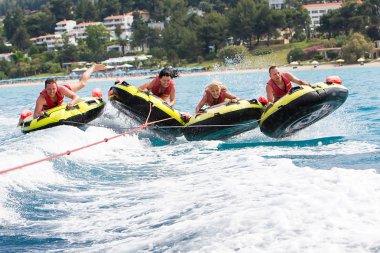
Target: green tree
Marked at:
177, 11
297, 18
40, 23
263, 20
3, 47
12, 21
181, 40
353, 21
139, 32
296, 54
274, 21
233, 52
123, 42
213, 31
350, 18
142, 35
85, 10
69, 52
173, 58
157, 8
5, 67
97, 39
242, 21
108, 7
326, 25
128, 5
10, 5
62, 9
21, 39
373, 32
357, 46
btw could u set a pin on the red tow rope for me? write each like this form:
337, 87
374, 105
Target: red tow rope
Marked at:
84, 147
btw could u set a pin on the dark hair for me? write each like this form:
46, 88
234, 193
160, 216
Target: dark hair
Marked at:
272, 67
173, 73
50, 80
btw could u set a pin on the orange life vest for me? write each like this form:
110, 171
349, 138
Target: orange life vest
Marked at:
277, 92
212, 101
156, 89
50, 103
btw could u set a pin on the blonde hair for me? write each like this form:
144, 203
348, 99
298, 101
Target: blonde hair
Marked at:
216, 84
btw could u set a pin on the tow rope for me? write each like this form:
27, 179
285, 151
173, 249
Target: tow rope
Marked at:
68, 152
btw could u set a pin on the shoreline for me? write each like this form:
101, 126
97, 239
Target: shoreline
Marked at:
226, 70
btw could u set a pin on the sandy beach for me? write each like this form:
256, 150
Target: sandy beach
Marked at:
225, 70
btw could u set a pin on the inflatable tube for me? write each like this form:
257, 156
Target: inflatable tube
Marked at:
83, 112
301, 107
137, 104
224, 120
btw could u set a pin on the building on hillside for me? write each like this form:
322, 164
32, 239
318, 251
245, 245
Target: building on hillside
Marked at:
70, 28
79, 31
64, 26
316, 11
50, 40
124, 22
6, 56
276, 4
156, 25
195, 11
376, 50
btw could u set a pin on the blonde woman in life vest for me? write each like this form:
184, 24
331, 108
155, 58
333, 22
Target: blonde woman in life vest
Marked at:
53, 94
163, 85
280, 83
215, 93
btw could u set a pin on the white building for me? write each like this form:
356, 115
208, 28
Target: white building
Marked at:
276, 4
157, 25
376, 51
50, 40
6, 56
73, 31
76, 32
124, 22
64, 26
316, 11
79, 31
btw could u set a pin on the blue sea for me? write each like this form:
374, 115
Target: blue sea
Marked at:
316, 191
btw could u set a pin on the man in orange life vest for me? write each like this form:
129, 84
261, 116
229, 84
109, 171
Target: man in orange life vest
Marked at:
279, 84
162, 85
53, 94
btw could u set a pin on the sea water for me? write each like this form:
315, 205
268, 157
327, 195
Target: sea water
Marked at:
316, 191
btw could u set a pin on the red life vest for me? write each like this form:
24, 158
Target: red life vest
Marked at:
50, 103
277, 92
212, 101
157, 87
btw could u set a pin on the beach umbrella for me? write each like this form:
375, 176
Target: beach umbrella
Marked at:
314, 62
361, 60
340, 60
294, 63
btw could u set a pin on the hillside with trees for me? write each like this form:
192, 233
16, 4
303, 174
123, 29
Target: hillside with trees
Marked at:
187, 37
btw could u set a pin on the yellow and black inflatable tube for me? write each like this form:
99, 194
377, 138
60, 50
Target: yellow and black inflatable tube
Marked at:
224, 120
301, 107
137, 104
83, 112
